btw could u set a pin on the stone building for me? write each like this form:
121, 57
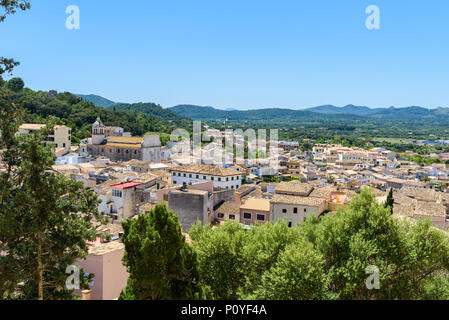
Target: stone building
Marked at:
294, 209
121, 148
60, 137
190, 206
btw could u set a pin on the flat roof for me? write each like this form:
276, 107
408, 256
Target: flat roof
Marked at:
259, 204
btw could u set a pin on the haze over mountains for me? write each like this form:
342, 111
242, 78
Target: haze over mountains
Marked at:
325, 112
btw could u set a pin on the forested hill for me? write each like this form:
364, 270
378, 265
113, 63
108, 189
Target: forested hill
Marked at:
152, 109
80, 114
97, 100
323, 113
273, 114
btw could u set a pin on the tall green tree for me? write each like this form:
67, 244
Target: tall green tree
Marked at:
406, 252
161, 265
389, 203
45, 219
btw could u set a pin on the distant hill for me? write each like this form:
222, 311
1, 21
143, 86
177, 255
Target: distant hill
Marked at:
97, 100
258, 115
349, 109
324, 113
154, 110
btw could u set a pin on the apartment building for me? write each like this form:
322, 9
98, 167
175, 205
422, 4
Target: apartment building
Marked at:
223, 178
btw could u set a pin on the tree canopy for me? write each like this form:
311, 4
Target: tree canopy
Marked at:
326, 258
162, 266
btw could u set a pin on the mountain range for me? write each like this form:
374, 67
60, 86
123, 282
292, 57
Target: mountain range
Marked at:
324, 112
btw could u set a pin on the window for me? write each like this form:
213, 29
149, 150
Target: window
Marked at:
220, 215
231, 217
295, 210
174, 182
118, 150
204, 177
116, 193
284, 210
219, 179
63, 145
237, 178
190, 175
232, 187
197, 176
227, 179
174, 174
247, 216
260, 217
212, 178
185, 175
135, 151
179, 174
305, 210
232, 178
127, 151
289, 224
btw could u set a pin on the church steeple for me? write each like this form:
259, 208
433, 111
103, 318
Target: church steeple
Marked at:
98, 132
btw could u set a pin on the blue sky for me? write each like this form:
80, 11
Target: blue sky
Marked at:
242, 54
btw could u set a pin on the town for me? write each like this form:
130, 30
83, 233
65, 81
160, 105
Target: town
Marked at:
131, 175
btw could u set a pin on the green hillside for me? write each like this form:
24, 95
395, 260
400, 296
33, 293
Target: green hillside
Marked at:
97, 100
80, 114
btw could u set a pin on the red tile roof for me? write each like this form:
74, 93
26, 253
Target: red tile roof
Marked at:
126, 185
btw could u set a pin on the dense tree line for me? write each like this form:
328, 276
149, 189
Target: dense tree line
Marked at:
327, 258
79, 114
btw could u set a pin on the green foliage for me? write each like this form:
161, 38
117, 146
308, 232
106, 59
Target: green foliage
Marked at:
97, 100
418, 159
271, 179
160, 263
298, 274
45, 219
15, 84
11, 6
390, 201
325, 258
79, 114
152, 109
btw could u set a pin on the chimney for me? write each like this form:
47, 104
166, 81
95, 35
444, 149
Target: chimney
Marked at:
85, 294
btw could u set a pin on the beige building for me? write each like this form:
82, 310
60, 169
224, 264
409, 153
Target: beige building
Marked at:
110, 275
294, 189
255, 210
294, 209
60, 137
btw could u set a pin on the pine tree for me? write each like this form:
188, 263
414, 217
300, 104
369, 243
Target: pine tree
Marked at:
390, 201
45, 219
160, 263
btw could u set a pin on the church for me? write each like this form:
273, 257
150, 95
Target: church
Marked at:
117, 147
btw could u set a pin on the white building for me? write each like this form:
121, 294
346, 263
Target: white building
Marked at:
224, 178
